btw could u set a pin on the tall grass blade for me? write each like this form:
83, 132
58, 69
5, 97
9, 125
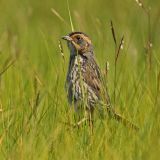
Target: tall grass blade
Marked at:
70, 17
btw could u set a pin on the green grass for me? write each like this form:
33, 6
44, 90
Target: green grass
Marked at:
33, 104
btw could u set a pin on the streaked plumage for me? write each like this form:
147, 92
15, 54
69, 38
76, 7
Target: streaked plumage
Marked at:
83, 82
83, 78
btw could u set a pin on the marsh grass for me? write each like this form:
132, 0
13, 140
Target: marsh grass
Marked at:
33, 104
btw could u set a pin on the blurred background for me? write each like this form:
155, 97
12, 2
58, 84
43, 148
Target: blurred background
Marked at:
32, 76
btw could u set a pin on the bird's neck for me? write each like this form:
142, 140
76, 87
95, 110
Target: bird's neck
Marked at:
79, 58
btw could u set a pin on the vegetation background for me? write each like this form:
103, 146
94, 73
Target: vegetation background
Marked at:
33, 104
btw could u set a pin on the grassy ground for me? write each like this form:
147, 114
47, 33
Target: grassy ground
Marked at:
33, 104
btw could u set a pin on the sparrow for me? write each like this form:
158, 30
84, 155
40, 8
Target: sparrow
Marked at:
84, 84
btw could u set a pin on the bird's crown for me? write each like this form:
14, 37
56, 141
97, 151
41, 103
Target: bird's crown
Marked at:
78, 41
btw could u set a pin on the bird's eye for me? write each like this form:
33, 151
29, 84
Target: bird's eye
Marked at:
78, 38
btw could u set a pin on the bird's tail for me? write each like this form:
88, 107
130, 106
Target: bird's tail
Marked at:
121, 119
115, 115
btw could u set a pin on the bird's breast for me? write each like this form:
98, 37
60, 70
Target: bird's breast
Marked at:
75, 79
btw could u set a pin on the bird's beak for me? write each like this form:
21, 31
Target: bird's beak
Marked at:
67, 38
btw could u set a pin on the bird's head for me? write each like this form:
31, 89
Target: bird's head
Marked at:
78, 43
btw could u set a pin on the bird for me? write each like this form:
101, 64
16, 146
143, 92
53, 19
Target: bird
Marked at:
84, 83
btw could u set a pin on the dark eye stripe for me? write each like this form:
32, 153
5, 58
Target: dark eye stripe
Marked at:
82, 36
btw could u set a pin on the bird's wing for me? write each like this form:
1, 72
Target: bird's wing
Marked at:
91, 75
93, 78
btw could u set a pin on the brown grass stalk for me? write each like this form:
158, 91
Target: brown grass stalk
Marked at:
117, 53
